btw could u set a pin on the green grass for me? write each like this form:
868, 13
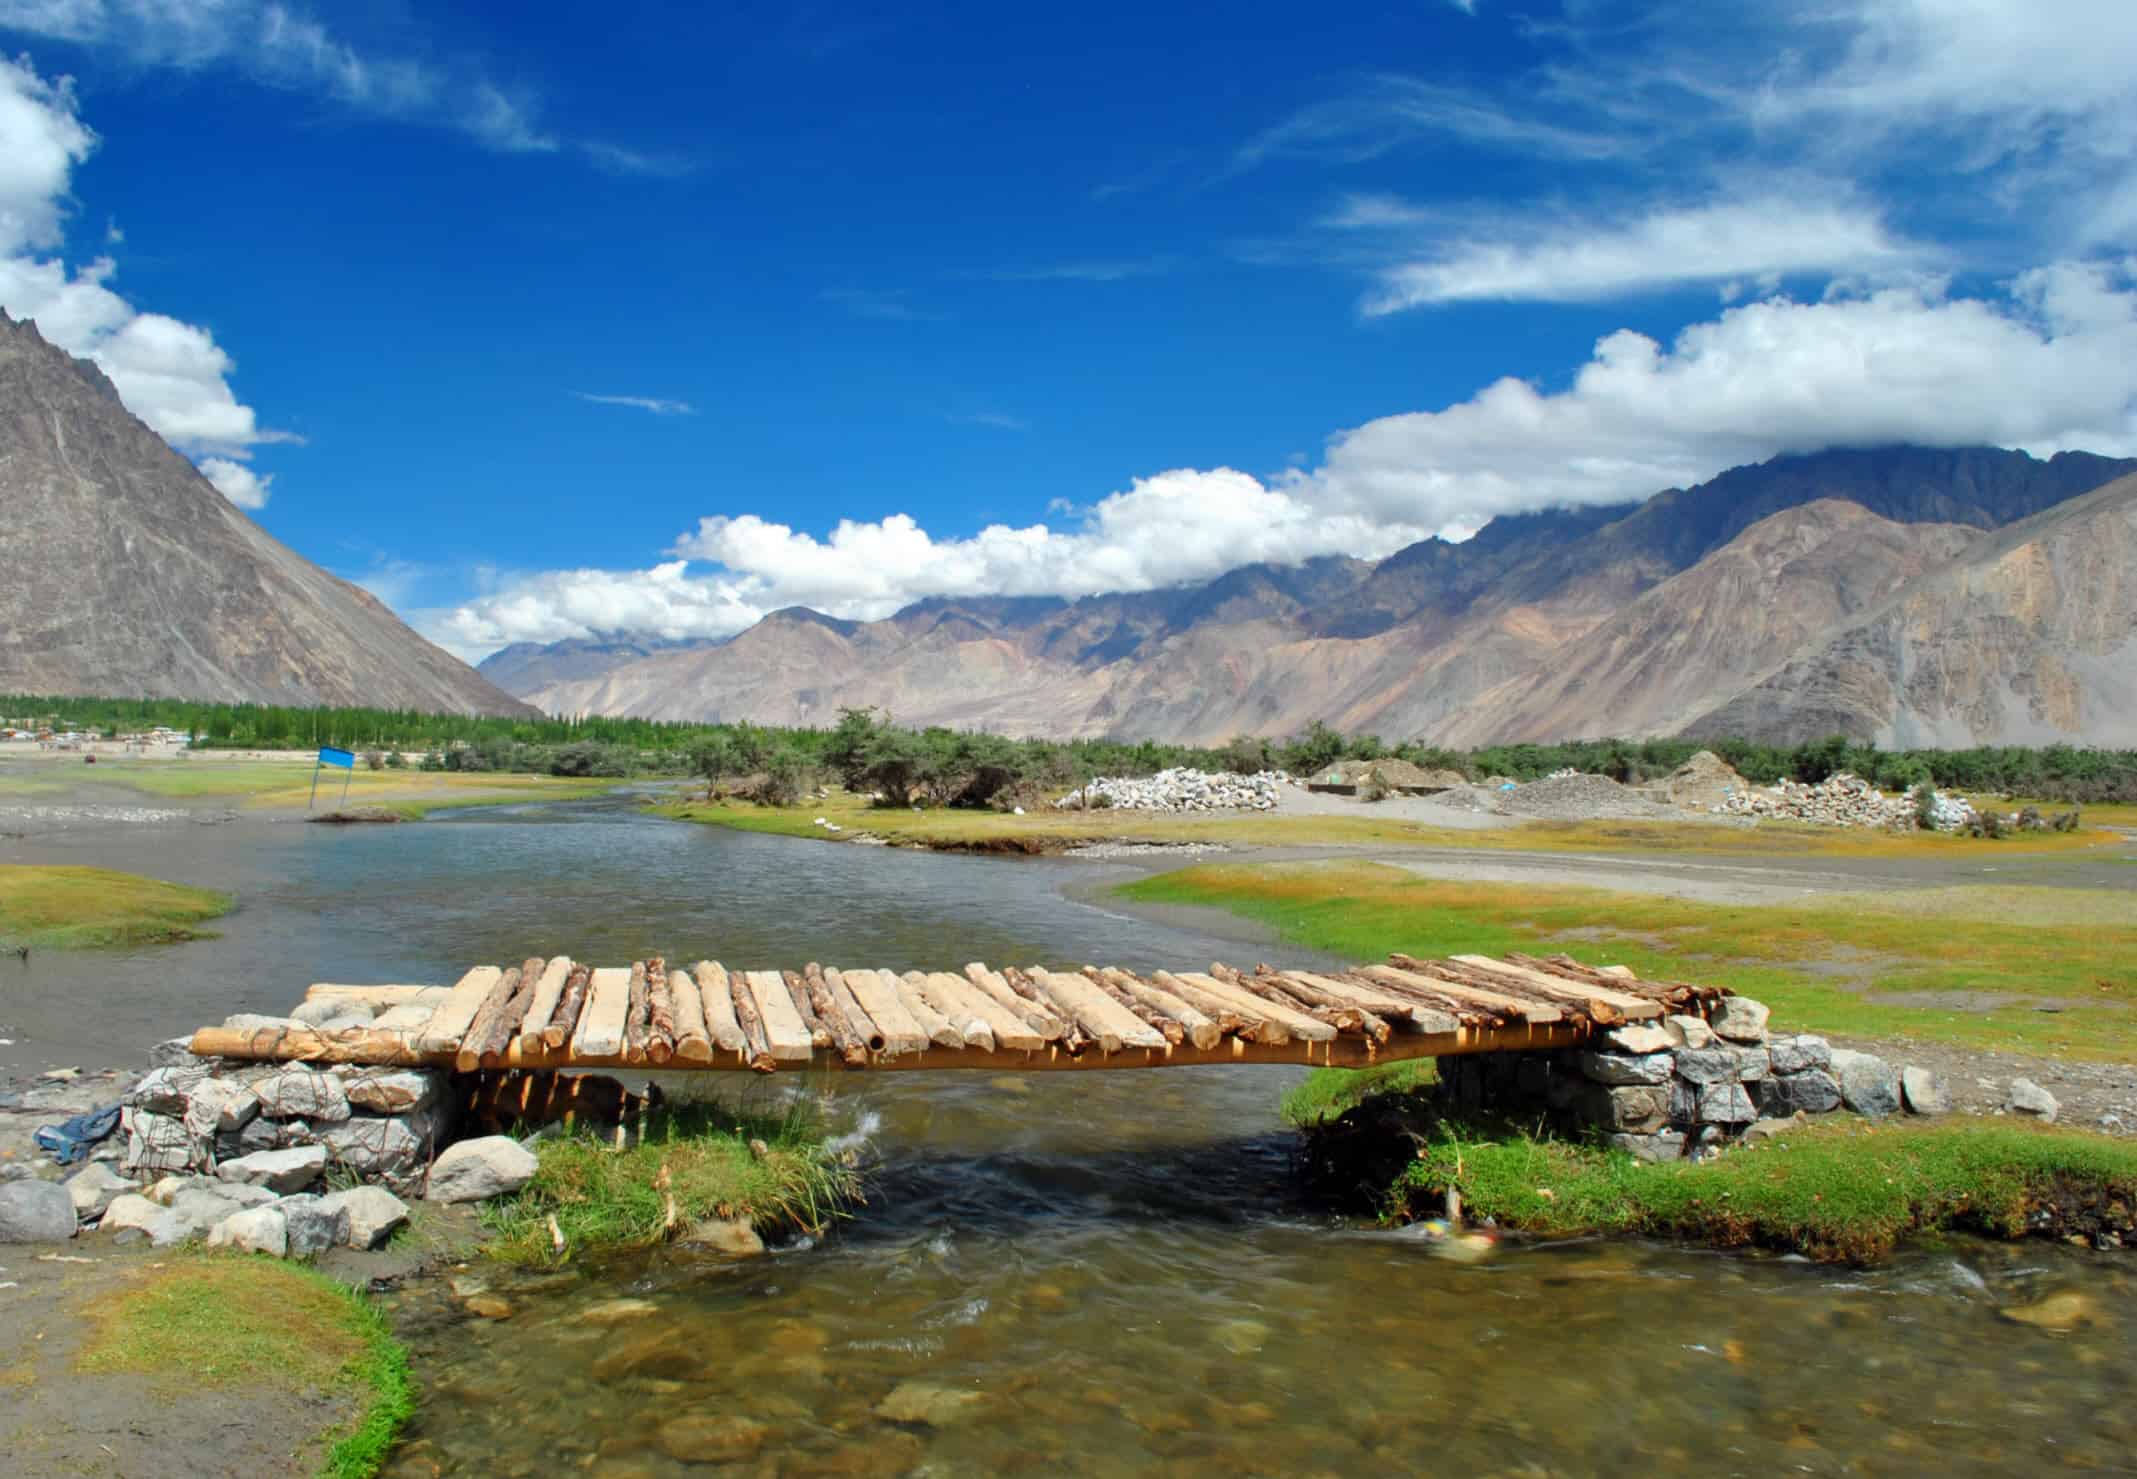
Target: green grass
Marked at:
1326, 1093
284, 785
1841, 1190
692, 1162
209, 1320
72, 908
1959, 965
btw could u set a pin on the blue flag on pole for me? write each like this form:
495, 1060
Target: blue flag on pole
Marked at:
346, 759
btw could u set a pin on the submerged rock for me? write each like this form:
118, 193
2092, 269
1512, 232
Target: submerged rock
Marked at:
936, 1407
732, 1236
702, 1438
2064, 1310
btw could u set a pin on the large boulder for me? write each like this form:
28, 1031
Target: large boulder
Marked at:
374, 1214
1813, 1091
1725, 1104
94, 1188
1639, 1037
394, 1091
1923, 1091
192, 1214
1799, 1053
2028, 1098
1740, 1019
475, 1170
165, 1090
254, 1230
130, 1211
280, 1171
1689, 1032
159, 1142
1867, 1083
312, 1224
1613, 1068
36, 1212
393, 1150
1715, 1065
299, 1093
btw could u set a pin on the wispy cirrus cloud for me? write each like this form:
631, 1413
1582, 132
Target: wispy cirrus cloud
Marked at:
891, 307
1091, 269
658, 405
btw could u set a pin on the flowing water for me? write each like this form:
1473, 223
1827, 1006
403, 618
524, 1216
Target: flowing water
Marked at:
1090, 1274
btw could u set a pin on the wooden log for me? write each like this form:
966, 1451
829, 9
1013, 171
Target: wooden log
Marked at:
693, 1042
970, 1026
1045, 1023
783, 1027
1073, 1038
1344, 1018
1105, 1020
449, 1023
1294, 1020
1203, 1031
1672, 994
1417, 990
864, 1026
608, 1003
757, 1045
548, 991
1172, 1031
1227, 1014
717, 994
1607, 1005
1447, 983
367, 1045
847, 1038
798, 992
1005, 1026
660, 1012
571, 1002
876, 993
1404, 1014
486, 1041
467, 1057
1317, 999
940, 1030
634, 1019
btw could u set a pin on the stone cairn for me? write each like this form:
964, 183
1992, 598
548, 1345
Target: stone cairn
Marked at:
1687, 1086
1181, 790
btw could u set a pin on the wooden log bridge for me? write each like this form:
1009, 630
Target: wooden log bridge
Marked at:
561, 1014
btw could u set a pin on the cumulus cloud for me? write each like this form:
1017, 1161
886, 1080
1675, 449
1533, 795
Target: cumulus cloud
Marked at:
237, 482
173, 375
2048, 364
656, 404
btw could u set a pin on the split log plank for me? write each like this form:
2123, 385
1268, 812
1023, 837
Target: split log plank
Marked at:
1006, 1027
608, 1003
1172, 1030
634, 1017
486, 1041
1318, 999
941, 1032
1203, 1030
1294, 1020
449, 1023
784, 1030
1046, 1024
877, 994
849, 1039
1228, 1014
1098, 1014
1407, 1015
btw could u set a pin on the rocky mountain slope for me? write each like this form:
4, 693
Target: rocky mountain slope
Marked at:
128, 574
1687, 613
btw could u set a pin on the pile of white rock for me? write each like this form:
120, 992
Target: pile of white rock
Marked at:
1841, 800
1181, 790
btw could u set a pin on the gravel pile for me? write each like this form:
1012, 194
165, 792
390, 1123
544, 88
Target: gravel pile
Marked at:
1842, 800
1181, 790
1581, 798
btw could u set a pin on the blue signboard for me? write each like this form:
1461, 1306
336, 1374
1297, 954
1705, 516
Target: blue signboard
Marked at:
346, 759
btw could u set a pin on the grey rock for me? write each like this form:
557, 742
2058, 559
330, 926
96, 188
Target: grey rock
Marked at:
1689, 1032
1767, 1129
1751, 1063
94, 1188
1715, 1065
254, 1230
1923, 1091
2029, 1098
394, 1149
192, 1214
36, 1212
1662, 1145
374, 1214
1740, 1019
313, 1224
1638, 1107
220, 1106
1609, 1068
1798, 1053
165, 1090
243, 1194
328, 1009
304, 1093
255, 1022
474, 1170
1867, 1083
172, 1052
396, 1091
1684, 1101
1638, 1038
159, 1142
1814, 1091
281, 1171
1725, 1104
130, 1211
405, 1018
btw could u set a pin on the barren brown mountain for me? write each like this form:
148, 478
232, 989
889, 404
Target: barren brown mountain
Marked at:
129, 575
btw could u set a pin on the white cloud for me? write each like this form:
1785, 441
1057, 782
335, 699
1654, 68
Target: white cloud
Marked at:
171, 374
1537, 262
2049, 365
236, 482
656, 404
1392, 112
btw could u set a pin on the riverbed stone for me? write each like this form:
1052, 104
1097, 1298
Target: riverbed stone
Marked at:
374, 1214
1800, 1052
1689, 1032
303, 1094
475, 1170
36, 1212
1611, 1068
281, 1171
1715, 1065
220, 1106
313, 1226
711, 1438
2028, 1098
1813, 1091
1662, 1145
1639, 1038
192, 1214
1725, 1104
95, 1187
1740, 1019
395, 1091
1923, 1091
731, 1236
254, 1230
1752, 1062
929, 1404
129, 1210
1867, 1083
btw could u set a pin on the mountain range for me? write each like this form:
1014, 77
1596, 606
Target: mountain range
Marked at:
1906, 595
129, 575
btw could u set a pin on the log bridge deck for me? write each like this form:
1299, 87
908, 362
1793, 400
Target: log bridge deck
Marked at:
560, 1014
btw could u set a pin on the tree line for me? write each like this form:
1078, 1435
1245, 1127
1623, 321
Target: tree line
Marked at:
868, 752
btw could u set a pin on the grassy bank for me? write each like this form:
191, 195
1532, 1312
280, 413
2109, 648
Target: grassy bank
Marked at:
220, 1321
69, 908
691, 1163
1960, 965
287, 785
981, 830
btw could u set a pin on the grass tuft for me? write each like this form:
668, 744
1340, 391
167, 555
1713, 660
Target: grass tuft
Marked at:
1328, 1093
73, 908
692, 1162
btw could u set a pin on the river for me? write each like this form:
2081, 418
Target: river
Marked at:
1091, 1274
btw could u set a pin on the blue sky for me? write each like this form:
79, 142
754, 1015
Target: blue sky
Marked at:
539, 328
